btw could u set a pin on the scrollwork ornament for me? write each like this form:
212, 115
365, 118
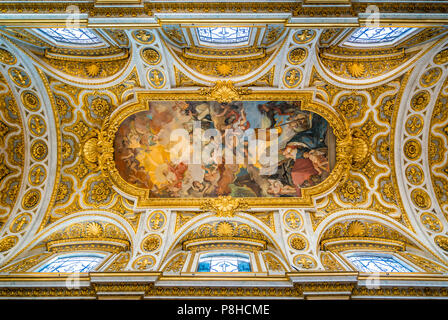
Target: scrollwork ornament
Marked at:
272, 263
224, 206
176, 264
119, 263
330, 263
224, 92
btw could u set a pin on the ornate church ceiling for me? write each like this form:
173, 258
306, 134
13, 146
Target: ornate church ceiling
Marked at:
66, 94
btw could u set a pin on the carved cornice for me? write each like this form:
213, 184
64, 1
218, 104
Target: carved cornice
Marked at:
343, 8
292, 286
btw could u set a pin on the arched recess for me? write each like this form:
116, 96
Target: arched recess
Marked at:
89, 231
367, 65
196, 63
241, 233
78, 64
416, 163
40, 146
363, 231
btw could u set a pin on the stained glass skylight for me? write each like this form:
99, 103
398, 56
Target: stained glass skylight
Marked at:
224, 35
224, 262
72, 263
378, 263
377, 35
71, 35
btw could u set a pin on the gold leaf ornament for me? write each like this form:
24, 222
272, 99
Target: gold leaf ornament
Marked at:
356, 69
151, 243
223, 69
7, 243
224, 92
356, 229
94, 230
442, 242
224, 206
92, 70
224, 229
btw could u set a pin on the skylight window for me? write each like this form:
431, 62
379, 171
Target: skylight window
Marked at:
71, 35
72, 263
224, 35
366, 262
382, 36
224, 262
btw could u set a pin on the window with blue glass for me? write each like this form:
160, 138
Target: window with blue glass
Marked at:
366, 262
224, 35
73, 263
75, 36
224, 262
377, 35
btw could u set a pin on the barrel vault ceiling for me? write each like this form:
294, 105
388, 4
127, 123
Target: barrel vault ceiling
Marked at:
55, 97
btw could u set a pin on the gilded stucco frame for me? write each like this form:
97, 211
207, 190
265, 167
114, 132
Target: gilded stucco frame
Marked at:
222, 92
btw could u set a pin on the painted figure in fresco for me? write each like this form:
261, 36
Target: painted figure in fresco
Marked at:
142, 149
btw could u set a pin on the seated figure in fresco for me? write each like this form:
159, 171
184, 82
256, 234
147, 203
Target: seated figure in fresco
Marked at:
300, 169
320, 162
276, 188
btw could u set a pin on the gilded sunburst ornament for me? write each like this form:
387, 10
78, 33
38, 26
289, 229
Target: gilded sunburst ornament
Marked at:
356, 69
94, 230
223, 69
224, 229
356, 229
93, 70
